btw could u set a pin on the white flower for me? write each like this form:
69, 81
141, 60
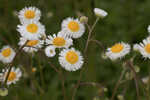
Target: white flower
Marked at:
70, 59
13, 77
72, 28
118, 50
145, 80
59, 41
29, 14
144, 48
7, 54
32, 45
148, 28
50, 51
100, 13
32, 30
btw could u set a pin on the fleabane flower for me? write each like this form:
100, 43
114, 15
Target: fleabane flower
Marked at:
72, 28
118, 50
13, 77
70, 59
31, 30
100, 13
28, 14
7, 54
59, 41
50, 51
144, 48
31, 45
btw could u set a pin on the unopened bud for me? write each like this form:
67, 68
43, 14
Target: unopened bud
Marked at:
3, 91
83, 19
137, 69
120, 97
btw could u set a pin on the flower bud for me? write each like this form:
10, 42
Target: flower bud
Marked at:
3, 91
83, 19
100, 13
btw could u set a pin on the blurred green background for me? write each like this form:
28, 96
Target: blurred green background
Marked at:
127, 21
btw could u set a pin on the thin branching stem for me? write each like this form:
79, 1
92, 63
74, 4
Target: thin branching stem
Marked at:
61, 76
33, 78
12, 63
90, 33
85, 50
130, 65
118, 83
98, 42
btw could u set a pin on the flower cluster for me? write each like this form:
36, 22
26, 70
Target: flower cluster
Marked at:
69, 58
33, 38
119, 50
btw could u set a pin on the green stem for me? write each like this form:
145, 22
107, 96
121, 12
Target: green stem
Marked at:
118, 83
85, 50
33, 79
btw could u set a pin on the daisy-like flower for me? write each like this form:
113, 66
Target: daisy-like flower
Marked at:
59, 41
118, 50
29, 14
144, 48
50, 51
100, 13
32, 45
72, 28
13, 77
31, 30
7, 54
70, 59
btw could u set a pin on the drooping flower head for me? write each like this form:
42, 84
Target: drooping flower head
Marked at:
100, 13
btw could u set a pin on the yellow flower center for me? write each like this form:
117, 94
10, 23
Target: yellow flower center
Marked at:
73, 26
32, 28
32, 42
59, 41
6, 52
147, 48
29, 14
12, 76
72, 57
117, 48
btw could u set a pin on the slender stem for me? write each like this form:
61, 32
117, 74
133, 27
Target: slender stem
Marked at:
77, 85
91, 84
98, 42
90, 33
85, 50
130, 65
11, 64
61, 76
41, 75
117, 84
33, 79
